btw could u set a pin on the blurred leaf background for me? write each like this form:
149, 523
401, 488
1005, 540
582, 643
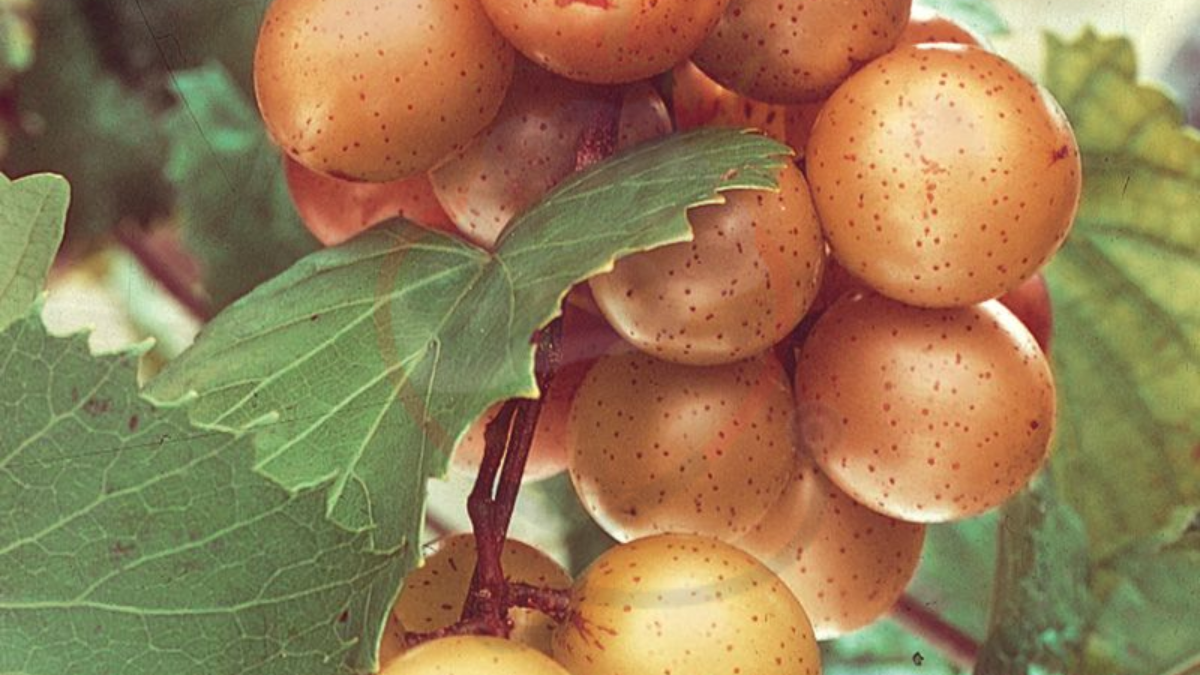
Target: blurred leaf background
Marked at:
147, 108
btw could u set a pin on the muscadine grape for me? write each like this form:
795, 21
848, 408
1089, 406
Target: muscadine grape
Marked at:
378, 90
660, 447
943, 176
798, 123
925, 415
796, 51
1031, 303
698, 101
337, 210
605, 41
585, 337
926, 26
525, 152
473, 655
644, 116
739, 287
434, 594
684, 604
846, 564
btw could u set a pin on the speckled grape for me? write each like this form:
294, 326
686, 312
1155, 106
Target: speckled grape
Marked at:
926, 415
605, 41
846, 563
739, 287
943, 176
684, 604
797, 51
661, 447
378, 90
698, 101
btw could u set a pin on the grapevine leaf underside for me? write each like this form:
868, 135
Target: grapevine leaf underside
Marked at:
1106, 583
363, 365
32, 212
132, 542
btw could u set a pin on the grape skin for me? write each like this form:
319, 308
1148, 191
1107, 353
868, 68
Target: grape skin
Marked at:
846, 564
925, 415
659, 447
473, 655
603, 41
684, 604
943, 176
335, 211
743, 283
378, 91
798, 51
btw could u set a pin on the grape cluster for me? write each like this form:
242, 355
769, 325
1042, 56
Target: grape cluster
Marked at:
765, 417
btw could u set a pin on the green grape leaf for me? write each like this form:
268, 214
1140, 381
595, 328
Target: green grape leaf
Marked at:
132, 542
81, 122
32, 212
1149, 621
377, 355
1126, 291
1041, 598
978, 15
1097, 566
233, 201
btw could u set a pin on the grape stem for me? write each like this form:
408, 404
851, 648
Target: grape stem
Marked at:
507, 441
917, 618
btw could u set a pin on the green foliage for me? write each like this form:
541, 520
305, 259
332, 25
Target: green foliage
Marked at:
144, 43
956, 573
1127, 294
82, 122
977, 14
16, 39
132, 542
883, 648
376, 356
237, 215
1096, 575
32, 212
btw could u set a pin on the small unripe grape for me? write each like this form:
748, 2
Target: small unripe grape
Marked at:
521, 156
605, 41
585, 337
797, 51
739, 287
660, 447
434, 594
698, 101
378, 90
926, 415
473, 655
1031, 303
926, 26
943, 176
846, 563
338, 210
684, 604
